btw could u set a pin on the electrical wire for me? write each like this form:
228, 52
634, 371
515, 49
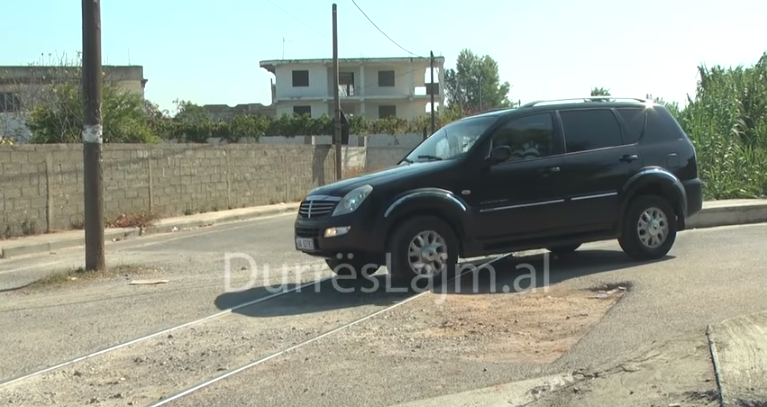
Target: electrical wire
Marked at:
382, 32
308, 26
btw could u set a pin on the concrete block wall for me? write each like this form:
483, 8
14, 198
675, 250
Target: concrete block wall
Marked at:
374, 140
41, 185
377, 157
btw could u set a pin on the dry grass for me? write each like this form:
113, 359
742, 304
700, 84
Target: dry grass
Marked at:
125, 220
352, 172
133, 220
66, 278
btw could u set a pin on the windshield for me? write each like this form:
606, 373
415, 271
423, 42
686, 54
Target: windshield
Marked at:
451, 140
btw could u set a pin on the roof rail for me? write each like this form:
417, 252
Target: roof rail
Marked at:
583, 99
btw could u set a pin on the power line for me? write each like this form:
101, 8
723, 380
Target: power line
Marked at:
307, 25
385, 35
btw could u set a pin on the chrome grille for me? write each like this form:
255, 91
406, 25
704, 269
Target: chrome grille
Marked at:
317, 208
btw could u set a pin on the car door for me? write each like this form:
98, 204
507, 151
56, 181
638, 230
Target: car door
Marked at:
599, 159
522, 195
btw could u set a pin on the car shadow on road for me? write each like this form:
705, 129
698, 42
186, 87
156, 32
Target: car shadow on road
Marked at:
518, 274
326, 295
505, 275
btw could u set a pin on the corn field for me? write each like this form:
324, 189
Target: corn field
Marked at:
727, 122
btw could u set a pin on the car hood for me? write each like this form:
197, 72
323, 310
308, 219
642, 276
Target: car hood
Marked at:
380, 178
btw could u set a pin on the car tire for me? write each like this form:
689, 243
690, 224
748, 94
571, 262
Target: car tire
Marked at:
649, 228
444, 242
564, 249
357, 267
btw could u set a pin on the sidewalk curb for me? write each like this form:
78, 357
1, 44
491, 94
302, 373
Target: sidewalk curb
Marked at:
742, 213
739, 214
163, 227
716, 364
197, 223
737, 348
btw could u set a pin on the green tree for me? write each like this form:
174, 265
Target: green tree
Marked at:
600, 92
193, 124
59, 118
248, 127
475, 85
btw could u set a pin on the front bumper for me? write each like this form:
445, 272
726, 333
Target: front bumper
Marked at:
694, 191
310, 237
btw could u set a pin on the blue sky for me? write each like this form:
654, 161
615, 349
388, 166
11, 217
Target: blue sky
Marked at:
209, 51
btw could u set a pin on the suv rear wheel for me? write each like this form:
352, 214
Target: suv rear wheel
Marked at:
423, 247
649, 229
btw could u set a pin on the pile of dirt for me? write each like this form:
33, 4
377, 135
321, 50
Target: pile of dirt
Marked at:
530, 327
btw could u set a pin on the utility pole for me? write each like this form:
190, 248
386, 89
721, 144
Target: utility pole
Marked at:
431, 63
336, 96
92, 137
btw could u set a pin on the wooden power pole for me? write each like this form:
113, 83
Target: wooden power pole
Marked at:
336, 97
92, 137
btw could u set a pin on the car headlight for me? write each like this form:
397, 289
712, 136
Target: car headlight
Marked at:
352, 200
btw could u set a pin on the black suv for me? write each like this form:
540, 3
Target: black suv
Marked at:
547, 174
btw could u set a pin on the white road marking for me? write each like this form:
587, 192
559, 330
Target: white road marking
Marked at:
165, 331
302, 344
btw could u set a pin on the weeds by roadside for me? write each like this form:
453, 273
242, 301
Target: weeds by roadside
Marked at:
65, 278
133, 220
124, 220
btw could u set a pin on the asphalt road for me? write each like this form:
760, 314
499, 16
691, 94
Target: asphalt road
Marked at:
710, 275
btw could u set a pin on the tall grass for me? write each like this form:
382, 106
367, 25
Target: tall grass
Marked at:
727, 122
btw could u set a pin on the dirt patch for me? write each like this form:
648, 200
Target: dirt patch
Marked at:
530, 327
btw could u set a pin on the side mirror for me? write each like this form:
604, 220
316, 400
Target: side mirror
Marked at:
500, 154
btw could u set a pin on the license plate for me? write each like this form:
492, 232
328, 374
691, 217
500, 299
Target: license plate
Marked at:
303, 243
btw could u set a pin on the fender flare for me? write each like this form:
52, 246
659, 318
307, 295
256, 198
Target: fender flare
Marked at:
668, 183
438, 200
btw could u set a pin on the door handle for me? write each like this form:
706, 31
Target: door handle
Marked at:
550, 170
629, 158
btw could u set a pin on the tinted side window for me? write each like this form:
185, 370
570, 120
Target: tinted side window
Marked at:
635, 122
661, 125
590, 129
528, 137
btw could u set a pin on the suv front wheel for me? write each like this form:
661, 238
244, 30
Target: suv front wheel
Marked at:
423, 247
649, 229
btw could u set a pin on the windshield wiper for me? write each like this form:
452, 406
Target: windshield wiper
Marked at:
429, 157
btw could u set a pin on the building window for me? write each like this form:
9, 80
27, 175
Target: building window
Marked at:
9, 103
385, 79
300, 79
346, 84
387, 111
301, 110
